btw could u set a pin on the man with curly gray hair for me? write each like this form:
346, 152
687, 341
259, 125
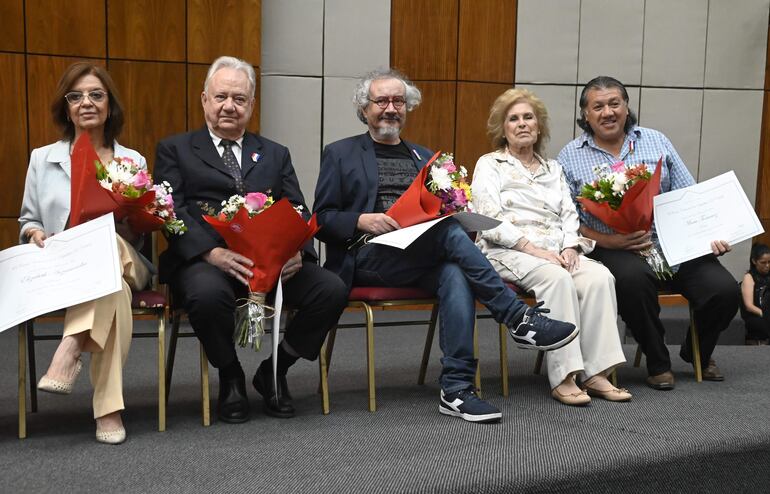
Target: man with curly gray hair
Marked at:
360, 179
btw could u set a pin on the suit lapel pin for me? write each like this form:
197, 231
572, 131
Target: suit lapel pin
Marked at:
255, 157
417, 155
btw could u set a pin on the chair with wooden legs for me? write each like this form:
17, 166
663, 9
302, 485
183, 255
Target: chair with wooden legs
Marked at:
369, 299
668, 298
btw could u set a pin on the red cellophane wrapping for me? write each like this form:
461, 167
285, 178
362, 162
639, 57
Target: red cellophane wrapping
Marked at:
269, 239
90, 200
417, 204
635, 211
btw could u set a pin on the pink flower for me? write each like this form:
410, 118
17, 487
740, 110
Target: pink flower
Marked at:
618, 167
255, 200
141, 179
458, 197
169, 202
450, 167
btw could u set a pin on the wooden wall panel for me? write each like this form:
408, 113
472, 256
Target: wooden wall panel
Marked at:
420, 28
42, 77
196, 75
9, 232
13, 138
487, 44
75, 27
432, 123
763, 176
223, 27
12, 25
473, 102
146, 29
153, 111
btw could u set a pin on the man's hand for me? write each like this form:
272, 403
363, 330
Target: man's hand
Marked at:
36, 236
231, 263
377, 223
720, 247
631, 241
292, 267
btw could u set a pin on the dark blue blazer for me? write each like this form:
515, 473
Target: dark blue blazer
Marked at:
196, 172
346, 188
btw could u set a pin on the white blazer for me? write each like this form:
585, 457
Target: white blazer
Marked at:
46, 203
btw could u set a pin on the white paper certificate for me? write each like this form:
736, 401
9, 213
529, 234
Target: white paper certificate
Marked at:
75, 266
403, 238
688, 220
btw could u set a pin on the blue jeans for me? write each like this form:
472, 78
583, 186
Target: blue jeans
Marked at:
445, 261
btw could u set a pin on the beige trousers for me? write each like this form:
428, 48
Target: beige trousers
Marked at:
109, 325
586, 298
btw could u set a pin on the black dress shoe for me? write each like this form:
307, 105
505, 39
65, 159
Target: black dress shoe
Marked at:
233, 405
277, 405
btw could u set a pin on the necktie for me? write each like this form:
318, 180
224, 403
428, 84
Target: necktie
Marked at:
228, 157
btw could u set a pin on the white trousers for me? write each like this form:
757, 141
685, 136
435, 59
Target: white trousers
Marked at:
586, 298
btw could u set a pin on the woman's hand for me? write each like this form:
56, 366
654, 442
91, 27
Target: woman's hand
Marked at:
124, 230
571, 259
36, 236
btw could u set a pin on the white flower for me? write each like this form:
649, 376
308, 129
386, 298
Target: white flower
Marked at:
440, 178
619, 181
598, 195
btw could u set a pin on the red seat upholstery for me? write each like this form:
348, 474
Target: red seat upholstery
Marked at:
380, 293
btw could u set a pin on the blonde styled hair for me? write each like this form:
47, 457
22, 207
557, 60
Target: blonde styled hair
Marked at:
499, 110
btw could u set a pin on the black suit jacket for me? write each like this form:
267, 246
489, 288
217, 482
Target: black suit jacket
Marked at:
196, 172
346, 188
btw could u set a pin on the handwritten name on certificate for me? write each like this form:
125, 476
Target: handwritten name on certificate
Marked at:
75, 266
688, 220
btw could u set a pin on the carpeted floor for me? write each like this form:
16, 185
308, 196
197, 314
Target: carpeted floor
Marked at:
707, 437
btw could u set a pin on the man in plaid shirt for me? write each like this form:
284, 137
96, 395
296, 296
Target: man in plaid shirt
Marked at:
611, 135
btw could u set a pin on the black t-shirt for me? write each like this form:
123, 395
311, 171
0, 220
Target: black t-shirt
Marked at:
396, 172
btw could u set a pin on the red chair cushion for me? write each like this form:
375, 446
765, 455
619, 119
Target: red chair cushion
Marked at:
145, 299
380, 293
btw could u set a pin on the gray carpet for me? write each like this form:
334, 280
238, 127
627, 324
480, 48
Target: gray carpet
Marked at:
709, 437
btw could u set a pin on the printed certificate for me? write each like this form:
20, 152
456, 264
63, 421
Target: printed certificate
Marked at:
688, 220
403, 238
75, 266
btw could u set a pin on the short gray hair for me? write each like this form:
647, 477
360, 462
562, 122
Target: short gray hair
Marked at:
361, 94
232, 63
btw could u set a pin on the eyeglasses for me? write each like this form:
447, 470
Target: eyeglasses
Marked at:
383, 102
75, 97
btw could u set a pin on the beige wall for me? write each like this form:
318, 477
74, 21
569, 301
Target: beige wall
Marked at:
695, 70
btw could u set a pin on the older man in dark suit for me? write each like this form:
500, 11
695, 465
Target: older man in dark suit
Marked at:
205, 167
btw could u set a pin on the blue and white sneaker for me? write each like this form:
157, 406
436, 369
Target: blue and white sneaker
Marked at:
539, 332
466, 405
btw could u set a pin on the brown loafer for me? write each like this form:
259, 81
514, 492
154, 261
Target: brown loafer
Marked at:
711, 372
661, 382
578, 399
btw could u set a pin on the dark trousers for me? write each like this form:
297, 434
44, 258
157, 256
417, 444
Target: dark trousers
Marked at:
445, 261
704, 282
208, 295
757, 327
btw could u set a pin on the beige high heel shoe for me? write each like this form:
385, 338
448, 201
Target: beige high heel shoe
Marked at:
116, 436
60, 387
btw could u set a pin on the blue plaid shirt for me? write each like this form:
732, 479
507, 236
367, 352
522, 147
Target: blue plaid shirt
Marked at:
641, 145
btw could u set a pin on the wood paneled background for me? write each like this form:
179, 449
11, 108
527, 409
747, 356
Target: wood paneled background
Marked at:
763, 176
157, 53
461, 54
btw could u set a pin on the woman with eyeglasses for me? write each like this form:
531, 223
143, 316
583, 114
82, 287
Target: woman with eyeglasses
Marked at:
86, 101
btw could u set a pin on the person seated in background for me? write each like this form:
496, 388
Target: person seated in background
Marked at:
360, 179
86, 101
537, 246
205, 167
755, 295
610, 134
